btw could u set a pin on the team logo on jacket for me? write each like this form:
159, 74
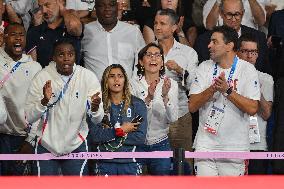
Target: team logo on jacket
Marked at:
255, 84
196, 80
129, 112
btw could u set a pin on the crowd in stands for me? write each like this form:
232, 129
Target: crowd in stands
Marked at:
116, 75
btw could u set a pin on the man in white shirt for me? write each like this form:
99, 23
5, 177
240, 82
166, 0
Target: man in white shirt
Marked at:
248, 50
180, 60
109, 41
253, 13
16, 72
225, 91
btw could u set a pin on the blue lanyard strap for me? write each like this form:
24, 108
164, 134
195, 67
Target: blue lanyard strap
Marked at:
15, 67
232, 71
62, 92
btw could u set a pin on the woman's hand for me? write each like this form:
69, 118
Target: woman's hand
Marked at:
129, 127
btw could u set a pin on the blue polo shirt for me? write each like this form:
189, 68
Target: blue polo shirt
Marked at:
44, 38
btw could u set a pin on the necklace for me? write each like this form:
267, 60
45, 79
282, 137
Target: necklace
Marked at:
120, 140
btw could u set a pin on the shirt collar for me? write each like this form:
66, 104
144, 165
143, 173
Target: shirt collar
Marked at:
45, 27
101, 28
176, 45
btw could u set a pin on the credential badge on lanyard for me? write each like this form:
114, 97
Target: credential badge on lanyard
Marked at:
254, 135
217, 112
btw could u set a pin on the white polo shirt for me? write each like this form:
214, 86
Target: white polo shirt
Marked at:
233, 133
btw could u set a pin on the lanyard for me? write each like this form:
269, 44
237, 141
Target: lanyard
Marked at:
232, 71
62, 92
8, 75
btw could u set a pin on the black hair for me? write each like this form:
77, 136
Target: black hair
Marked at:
141, 54
64, 41
6, 29
229, 35
248, 37
170, 13
180, 8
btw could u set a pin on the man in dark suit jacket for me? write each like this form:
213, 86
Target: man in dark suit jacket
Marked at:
232, 17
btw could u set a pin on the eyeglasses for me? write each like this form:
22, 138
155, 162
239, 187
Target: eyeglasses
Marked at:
248, 51
229, 15
150, 55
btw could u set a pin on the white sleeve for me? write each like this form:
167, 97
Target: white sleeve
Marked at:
252, 87
33, 107
206, 10
262, 4
200, 81
32, 133
95, 87
76, 5
3, 111
267, 87
191, 68
172, 105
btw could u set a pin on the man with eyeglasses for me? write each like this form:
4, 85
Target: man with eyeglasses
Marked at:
180, 62
253, 13
248, 50
232, 13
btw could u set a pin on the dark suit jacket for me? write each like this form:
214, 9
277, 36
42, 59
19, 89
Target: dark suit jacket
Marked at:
201, 47
276, 55
276, 24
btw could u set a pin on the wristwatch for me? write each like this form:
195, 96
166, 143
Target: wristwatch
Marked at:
228, 92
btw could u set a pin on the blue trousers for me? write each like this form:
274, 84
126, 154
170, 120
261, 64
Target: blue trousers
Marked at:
64, 167
109, 168
10, 144
157, 166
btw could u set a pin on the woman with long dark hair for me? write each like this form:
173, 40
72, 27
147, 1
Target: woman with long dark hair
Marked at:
124, 125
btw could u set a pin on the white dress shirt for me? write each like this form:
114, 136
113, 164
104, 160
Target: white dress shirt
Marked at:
187, 58
118, 46
159, 115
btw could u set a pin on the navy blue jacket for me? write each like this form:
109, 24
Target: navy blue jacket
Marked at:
105, 137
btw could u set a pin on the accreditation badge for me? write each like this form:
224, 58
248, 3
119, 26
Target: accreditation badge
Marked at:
254, 135
214, 119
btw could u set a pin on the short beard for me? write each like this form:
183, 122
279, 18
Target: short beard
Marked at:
51, 20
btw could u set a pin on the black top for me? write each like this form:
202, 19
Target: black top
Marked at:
44, 38
276, 24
